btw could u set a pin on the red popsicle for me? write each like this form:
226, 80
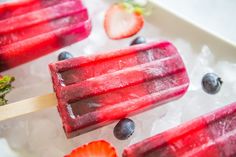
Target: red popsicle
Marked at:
33, 28
94, 91
211, 135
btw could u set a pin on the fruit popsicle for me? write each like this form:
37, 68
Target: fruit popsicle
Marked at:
94, 91
33, 28
211, 135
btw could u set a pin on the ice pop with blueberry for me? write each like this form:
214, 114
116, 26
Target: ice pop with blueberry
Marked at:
94, 91
32, 28
211, 135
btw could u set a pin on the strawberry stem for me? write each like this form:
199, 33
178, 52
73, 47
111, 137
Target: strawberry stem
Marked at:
5, 87
133, 7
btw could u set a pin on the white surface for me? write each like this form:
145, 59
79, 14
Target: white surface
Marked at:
6, 150
217, 16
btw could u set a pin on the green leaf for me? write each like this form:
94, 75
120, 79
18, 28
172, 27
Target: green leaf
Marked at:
131, 6
5, 87
5, 90
6, 80
3, 101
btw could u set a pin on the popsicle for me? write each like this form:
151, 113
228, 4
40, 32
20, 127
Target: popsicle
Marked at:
211, 135
94, 91
33, 28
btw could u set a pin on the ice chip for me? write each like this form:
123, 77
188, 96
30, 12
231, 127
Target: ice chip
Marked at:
202, 65
18, 139
227, 71
6, 151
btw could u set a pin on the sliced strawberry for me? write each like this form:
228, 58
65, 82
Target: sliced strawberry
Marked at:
94, 149
121, 23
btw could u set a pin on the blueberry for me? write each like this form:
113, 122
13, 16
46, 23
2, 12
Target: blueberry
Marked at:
124, 129
138, 40
211, 83
64, 55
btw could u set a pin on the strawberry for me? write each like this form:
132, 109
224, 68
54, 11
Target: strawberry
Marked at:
123, 20
94, 149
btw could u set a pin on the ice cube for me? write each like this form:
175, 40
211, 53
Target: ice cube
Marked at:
17, 138
6, 151
51, 151
206, 56
42, 129
170, 119
186, 51
197, 104
144, 123
227, 71
234, 88
202, 65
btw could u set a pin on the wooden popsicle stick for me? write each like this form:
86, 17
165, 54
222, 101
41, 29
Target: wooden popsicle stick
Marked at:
27, 106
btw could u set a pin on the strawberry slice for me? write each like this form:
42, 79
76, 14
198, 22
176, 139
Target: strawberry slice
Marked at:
122, 22
94, 149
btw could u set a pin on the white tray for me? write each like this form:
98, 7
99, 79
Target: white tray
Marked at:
49, 140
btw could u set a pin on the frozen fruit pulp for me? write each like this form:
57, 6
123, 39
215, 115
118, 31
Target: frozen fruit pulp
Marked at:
212, 135
90, 90
39, 30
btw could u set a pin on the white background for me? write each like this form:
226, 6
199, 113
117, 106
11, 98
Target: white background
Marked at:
218, 16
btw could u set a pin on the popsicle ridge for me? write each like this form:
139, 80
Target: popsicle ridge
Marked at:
123, 78
19, 7
19, 35
41, 21
117, 61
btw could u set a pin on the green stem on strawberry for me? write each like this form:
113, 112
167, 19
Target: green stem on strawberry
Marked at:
133, 6
5, 88
124, 19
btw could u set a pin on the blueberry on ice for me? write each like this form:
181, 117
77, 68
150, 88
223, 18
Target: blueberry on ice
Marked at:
64, 55
138, 40
211, 83
124, 129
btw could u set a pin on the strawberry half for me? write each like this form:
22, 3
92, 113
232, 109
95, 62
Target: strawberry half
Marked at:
122, 22
94, 149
